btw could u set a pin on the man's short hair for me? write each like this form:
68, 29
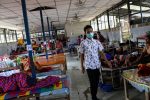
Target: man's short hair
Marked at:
87, 27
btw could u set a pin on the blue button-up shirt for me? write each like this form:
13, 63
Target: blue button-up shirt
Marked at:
90, 49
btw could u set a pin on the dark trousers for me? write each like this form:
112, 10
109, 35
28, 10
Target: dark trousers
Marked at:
93, 75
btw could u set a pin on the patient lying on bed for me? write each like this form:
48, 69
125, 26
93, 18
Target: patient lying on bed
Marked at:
24, 82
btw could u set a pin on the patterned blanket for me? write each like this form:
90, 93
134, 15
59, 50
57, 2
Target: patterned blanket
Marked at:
21, 81
58, 88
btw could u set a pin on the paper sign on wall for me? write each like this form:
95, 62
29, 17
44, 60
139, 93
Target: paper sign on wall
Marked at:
29, 48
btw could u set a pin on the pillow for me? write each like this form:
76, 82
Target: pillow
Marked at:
3, 64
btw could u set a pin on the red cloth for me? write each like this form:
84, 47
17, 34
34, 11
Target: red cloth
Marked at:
45, 69
42, 69
143, 70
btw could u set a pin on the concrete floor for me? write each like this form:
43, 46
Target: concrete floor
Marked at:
79, 83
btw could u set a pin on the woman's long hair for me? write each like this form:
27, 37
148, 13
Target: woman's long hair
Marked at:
101, 38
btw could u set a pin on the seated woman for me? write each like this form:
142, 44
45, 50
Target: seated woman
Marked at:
59, 46
34, 45
119, 58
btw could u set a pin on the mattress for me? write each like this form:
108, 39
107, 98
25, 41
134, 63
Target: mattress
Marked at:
51, 72
52, 60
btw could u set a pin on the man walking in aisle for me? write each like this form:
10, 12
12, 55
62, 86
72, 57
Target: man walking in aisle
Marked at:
90, 49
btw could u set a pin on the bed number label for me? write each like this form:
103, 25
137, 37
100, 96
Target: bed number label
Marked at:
29, 48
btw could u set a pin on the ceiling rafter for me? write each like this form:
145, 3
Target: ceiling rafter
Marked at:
41, 6
29, 12
65, 10
68, 10
57, 11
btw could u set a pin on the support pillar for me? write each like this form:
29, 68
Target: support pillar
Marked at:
29, 46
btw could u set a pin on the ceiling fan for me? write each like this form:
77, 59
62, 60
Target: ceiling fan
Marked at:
76, 17
80, 3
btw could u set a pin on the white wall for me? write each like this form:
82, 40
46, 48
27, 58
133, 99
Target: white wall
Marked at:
6, 48
138, 31
135, 33
76, 28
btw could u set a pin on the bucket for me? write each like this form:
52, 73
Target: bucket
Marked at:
106, 87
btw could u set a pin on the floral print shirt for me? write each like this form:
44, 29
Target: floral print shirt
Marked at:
90, 48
